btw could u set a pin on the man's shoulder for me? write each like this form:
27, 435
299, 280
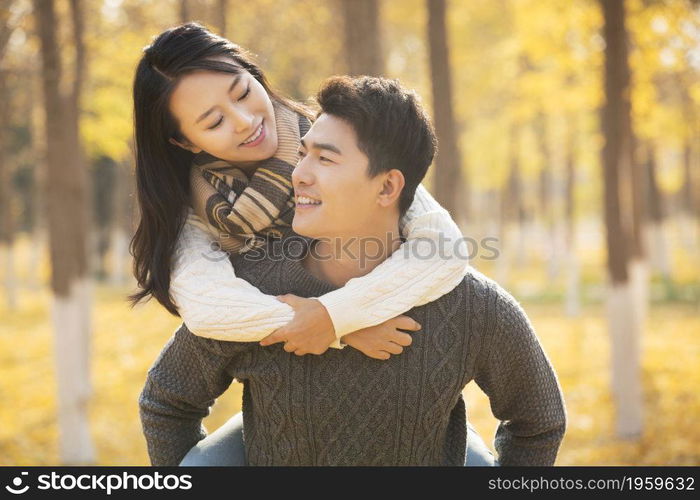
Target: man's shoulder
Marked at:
213, 347
474, 285
479, 295
480, 283
504, 303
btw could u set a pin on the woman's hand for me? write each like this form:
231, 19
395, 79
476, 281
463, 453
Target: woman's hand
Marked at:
383, 340
311, 331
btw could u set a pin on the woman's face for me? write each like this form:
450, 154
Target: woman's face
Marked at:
228, 116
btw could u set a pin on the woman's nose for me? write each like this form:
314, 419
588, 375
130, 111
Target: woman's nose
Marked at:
242, 120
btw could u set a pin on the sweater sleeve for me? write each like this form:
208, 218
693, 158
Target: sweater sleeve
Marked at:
515, 373
431, 263
182, 385
211, 300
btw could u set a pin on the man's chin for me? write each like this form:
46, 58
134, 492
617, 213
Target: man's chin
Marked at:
303, 229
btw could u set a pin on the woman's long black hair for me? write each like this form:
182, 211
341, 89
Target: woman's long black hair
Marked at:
162, 169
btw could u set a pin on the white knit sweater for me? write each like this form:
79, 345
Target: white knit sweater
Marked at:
214, 303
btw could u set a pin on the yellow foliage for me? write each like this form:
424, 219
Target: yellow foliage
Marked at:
127, 341
512, 62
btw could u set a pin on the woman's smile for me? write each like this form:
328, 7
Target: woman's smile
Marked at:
256, 137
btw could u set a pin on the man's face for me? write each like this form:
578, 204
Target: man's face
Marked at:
332, 172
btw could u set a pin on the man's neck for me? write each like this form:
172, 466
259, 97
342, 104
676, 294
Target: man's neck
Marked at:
339, 259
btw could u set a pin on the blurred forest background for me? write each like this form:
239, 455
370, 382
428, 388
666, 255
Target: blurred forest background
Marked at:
569, 132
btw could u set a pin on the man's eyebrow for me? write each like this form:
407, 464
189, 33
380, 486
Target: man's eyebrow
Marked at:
209, 111
322, 145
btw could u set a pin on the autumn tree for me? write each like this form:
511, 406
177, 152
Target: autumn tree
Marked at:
656, 212
572, 299
615, 155
7, 229
449, 185
221, 14
184, 11
67, 221
362, 35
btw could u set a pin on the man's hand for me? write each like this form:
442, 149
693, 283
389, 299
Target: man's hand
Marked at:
311, 331
383, 340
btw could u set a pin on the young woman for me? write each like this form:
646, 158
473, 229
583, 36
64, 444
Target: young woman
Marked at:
215, 147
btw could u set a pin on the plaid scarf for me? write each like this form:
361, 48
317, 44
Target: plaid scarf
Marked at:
244, 212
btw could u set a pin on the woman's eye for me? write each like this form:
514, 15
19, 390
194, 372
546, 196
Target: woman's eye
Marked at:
301, 154
245, 94
323, 158
216, 124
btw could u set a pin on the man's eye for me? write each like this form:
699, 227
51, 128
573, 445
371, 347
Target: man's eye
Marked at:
301, 154
216, 124
247, 91
323, 158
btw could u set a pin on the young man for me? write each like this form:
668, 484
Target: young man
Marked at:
359, 167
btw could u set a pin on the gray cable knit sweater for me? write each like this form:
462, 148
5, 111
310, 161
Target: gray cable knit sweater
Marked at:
343, 408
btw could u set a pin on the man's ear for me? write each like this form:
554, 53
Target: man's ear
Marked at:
392, 187
189, 147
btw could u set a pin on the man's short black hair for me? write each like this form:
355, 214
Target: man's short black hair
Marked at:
392, 128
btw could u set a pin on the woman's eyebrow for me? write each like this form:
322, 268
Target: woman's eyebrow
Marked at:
209, 111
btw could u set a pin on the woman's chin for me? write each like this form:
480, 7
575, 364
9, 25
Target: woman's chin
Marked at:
251, 156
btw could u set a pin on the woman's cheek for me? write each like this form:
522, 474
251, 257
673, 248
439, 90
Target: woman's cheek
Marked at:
222, 139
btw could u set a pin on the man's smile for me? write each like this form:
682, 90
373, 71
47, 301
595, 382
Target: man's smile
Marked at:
303, 201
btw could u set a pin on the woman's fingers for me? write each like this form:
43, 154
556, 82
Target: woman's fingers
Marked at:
384, 340
392, 348
405, 323
377, 355
403, 339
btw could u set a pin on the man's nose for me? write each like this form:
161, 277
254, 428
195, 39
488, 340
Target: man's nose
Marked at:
301, 175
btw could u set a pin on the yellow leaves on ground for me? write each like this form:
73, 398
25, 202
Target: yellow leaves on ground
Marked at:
579, 350
127, 341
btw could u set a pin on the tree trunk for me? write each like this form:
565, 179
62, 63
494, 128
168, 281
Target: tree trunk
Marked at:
66, 207
638, 266
688, 224
105, 186
78, 154
221, 15
511, 211
448, 171
7, 228
573, 275
7, 223
688, 202
551, 252
689, 218
623, 321
363, 42
37, 205
657, 218
36, 191
122, 232
184, 11
545, 177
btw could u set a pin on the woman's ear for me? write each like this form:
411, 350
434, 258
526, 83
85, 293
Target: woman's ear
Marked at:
392, 187
186, 145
